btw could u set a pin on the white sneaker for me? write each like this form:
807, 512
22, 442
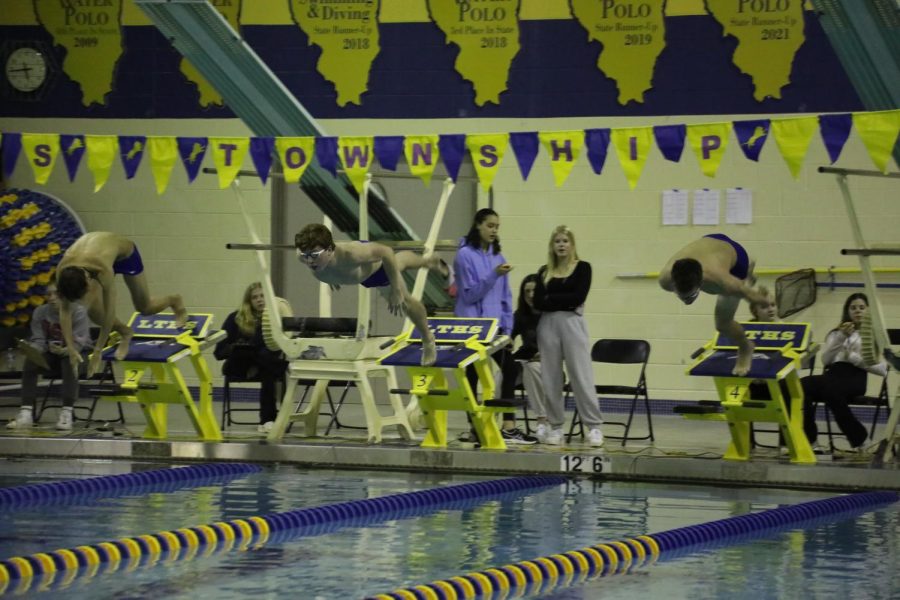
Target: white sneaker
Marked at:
64, 422
541, 432
265, 427
595, 438
23, 420
554, 437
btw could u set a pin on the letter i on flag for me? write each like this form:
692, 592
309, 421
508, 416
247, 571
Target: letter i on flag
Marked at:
708, 141
356, 155
564, 147
422, 155
228, 156
295, 154
487, 150
163, 154
632, 146
101, 152
41, 150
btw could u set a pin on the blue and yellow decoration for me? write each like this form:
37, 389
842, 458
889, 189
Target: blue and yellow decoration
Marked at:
35, 230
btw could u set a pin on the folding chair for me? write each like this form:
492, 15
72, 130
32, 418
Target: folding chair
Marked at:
107, 375
880, 401
621, 352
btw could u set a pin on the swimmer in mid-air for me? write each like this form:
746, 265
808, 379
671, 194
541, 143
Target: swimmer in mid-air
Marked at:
717, 265
86, 273
371, 265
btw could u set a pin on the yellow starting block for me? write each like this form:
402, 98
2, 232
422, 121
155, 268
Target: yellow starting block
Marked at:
461, 342
779, 349
156, 349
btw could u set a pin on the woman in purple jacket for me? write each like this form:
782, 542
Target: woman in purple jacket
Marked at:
483, 291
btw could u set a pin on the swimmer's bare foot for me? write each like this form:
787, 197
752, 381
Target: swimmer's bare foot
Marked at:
181, 313
122, 348
429, 352
744, 360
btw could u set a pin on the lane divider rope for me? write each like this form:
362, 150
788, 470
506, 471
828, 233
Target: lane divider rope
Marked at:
545, 574
40, 571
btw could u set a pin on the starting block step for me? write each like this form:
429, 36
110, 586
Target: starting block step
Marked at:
688, 409
403, 391
505, 402
121, 390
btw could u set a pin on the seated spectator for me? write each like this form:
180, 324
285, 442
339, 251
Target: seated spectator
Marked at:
845, 376
45, 353
246, 355
527, 358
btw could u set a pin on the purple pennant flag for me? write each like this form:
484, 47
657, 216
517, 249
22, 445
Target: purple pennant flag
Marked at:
453, 149
525, 146
751, 136
192, 150
261, 149
835, 130
670, 140
597, 141
131, 150
72, 147
327, 153
12, 146
388, 149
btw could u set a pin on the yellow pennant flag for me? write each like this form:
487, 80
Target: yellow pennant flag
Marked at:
878, 131
41, 149
356, 155
422, 154
101, 152
709, 140
793, 137
487, 150
295, 154
564, 147
163, 154
632, 147
228, 155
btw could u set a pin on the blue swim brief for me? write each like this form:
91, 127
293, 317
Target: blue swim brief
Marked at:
741, 266
130, 265
377, 279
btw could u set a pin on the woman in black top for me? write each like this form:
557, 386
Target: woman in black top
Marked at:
246, 355
562, 288
527, 357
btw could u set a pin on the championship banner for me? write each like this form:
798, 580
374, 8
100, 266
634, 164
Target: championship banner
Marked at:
708, 141
356, 155
422, 153
228, 156
487, 150
295, 154
41, 150
564, 147
163, 154
879, 134
101, 152
632, 146
793, 137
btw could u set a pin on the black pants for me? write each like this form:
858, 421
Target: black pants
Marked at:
510, 369
268, 369
836, 387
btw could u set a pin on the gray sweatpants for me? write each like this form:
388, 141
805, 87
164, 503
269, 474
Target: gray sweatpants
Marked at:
563, 336
30, 372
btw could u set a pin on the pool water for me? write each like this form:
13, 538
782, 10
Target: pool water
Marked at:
856, 556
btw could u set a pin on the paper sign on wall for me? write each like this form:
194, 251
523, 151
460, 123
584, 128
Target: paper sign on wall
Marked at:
706, 207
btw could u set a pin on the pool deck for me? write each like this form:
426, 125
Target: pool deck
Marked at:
684, 451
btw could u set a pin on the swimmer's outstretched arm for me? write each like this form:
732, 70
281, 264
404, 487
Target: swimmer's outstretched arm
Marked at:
65, 324
107, 284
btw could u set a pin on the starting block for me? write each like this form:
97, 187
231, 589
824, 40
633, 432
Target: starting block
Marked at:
780, 347
461, 342
157, 349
